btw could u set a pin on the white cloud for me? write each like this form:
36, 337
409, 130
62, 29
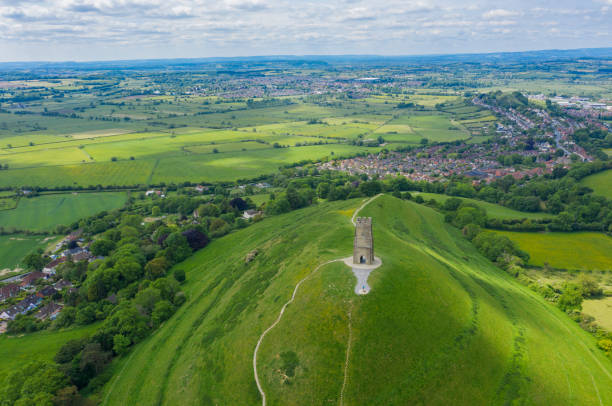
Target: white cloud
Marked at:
167, 28
500, 12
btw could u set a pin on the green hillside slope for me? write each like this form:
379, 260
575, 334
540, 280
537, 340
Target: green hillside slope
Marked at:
440, 326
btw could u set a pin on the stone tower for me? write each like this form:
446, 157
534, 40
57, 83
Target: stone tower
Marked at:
363, 247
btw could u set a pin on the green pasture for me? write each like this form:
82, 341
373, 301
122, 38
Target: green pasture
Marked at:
7, 203
260, 198
46, 157
92, 174
366, 121
227, 147
493, 210
441, 325
47, 211
196, 162
243, 164
16, 246
580, 250
344, 130
15, 351
292, 140
601, 183
12, 124
601, 309
436, 128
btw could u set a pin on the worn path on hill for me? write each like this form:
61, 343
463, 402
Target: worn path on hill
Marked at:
282, 311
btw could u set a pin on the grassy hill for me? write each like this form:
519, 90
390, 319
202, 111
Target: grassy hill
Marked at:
440, 326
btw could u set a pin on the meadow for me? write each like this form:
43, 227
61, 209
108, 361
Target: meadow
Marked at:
14, 247
45, 212
441, 324
413, 128
601, 309
493, 210
159, 139
601, 183
572, 251
39, 346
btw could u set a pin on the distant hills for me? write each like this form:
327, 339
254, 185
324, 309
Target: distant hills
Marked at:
212, 62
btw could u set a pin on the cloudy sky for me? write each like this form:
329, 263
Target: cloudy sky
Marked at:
132, 29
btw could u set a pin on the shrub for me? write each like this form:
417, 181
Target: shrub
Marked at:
179, 275
571, 298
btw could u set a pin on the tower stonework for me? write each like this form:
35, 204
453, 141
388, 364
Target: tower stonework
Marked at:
363, 247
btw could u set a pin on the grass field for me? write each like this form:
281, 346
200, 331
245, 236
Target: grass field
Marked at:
601, 183
243, 164
601, 309
7, 204
48, 151
14, 247
260, 198
42, 345
493, 210
47, 211
582, 250
230, 163
440, 326
412, 129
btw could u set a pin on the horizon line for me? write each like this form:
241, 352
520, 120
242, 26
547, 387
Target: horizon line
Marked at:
305, 56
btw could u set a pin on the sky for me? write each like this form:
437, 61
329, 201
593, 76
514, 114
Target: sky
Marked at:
79, 30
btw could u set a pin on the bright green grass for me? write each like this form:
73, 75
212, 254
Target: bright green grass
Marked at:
243, 164
583, 250
44, 125
14, 247
436, 128
601, 183
104, 173
45, 157
608, 151
39, 346
441, 325
47, 211
493, 210
260, 198
322, 130
228, 147
292, 140
176, 167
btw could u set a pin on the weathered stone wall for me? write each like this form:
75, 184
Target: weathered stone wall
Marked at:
363, 246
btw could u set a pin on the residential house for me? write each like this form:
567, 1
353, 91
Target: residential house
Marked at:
81, 256
46, 292
8, 291
62, 284
49, 311
50, 267
249, 214
29, 279
29, 303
